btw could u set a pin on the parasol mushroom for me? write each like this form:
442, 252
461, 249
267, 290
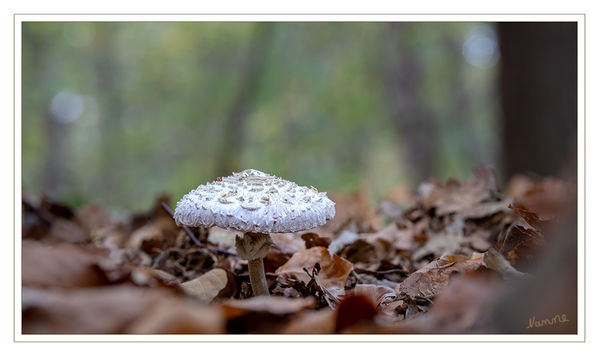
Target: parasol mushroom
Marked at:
256, 204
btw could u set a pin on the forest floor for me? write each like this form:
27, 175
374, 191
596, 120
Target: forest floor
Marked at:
459, 257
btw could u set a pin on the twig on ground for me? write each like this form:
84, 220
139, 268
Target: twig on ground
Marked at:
193, 237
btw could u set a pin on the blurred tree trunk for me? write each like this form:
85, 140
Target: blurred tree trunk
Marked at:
414, 122
55, 161
539, 91
250, 77
109, 96
56, 152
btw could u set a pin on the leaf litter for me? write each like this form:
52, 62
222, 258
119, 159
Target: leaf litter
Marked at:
434, 263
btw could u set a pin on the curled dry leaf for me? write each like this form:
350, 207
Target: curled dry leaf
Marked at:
209, 285
333, 273
61, 265
495, 261
380, 296
428, 281
346, 237
146, 238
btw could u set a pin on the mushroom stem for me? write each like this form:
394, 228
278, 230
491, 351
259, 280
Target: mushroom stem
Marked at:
253, 248
257, 277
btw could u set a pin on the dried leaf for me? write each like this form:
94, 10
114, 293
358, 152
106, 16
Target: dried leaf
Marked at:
495, 261
97, 310
92, 217
334, 271
182, 317
312, 322
61, 265
346, 237
455, 197
448, 242
354, 310
313, 240
207, 286
428, 281
380, 296
266, 304
67, 231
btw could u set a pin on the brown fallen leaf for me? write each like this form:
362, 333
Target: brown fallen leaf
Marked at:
355, 310
380, 296
61, 265
354, 206
174, 316
428, 281
94, 310
92, 217
262, 314
117, 272
265, 304
67, 231
209, 285
379, 245
146, 238
312, 322
495, 261
455, 197
447, 242
333, 273
347, 236
287, 242
313, 240
463, 306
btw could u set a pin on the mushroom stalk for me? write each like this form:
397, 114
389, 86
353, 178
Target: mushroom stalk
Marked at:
253, 247
257, 277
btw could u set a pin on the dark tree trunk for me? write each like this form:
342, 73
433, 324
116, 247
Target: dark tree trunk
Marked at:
56, 156
250, 77
539, 91
402, 74
55, 134
108, 86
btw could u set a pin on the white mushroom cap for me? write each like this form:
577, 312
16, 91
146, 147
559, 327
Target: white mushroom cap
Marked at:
253, 201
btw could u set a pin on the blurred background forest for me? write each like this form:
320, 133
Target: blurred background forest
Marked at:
117, 113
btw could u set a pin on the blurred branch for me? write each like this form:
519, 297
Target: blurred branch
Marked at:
250, 78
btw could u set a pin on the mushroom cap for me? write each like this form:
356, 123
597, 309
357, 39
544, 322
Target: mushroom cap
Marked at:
253, 201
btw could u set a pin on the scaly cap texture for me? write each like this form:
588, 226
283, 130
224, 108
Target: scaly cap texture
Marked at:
253, 201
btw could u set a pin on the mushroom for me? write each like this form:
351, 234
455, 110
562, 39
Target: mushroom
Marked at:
256, 204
